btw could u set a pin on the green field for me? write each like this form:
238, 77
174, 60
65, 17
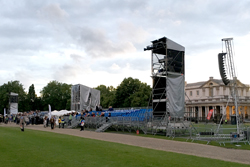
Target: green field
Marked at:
37, 148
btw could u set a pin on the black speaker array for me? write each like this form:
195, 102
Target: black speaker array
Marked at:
221, 59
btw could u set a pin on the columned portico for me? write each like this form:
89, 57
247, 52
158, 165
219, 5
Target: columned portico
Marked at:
213, 94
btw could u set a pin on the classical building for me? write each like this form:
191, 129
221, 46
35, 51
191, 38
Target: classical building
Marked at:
213, 94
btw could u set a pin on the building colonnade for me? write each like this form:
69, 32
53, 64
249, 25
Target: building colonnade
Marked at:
200, 112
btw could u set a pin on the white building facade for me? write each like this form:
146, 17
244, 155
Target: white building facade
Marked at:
213, 94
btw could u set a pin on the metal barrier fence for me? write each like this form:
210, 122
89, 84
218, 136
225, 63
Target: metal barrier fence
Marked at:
223, 136
169, 128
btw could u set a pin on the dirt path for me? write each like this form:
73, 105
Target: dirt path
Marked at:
200, 150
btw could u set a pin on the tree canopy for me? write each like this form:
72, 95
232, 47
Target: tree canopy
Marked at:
130, 93
107, 95
15, 87
31, 98
56, 94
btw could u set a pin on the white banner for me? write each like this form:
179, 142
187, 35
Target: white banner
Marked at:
4, 112
49, 111
13, 108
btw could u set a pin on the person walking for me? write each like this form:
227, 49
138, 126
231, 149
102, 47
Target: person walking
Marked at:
70, 119
82, 122
45, 121
22, 122
14, 119
6, 119
60, 122
52, 122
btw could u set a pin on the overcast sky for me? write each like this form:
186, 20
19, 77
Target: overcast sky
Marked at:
94, 42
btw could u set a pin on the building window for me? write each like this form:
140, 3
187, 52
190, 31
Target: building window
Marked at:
211, 93
197, 92
190, 93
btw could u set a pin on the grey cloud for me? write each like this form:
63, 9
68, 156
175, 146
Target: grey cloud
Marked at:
77, 66
130, 5
96, 8
195, 21
76, 58
135, 34
94, 41
134, 64
103, 30
67, 72
97, 44
21, 32
53, 12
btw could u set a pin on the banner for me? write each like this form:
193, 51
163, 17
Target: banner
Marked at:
13, 108
4, 112
210, 114
49, 111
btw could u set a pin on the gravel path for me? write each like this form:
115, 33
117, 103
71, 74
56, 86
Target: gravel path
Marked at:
200, 150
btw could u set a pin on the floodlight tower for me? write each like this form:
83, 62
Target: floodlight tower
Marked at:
227, 68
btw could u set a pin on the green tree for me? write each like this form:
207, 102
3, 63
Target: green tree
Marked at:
132, 93
32, 97
141, 97
38, 104
107, 95
57, 95
15, 87
32, 93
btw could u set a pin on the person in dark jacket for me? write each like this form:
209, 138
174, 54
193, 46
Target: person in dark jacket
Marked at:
110, 108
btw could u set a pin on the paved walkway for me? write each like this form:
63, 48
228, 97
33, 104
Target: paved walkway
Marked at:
200, 150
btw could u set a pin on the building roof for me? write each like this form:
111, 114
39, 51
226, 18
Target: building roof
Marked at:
200, 84
196, 84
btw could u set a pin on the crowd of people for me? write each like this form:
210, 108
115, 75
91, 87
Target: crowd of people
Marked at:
35, 117
29, 118
20, 119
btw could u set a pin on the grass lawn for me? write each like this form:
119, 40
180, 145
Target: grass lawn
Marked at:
36, 148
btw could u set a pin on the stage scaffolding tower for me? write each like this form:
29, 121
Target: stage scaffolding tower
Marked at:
167, 72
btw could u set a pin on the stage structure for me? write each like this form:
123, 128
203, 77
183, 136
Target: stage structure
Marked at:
83, 97
13, 103
228, 75
168, 71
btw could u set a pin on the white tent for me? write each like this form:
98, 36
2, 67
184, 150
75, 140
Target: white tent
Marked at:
57, 114
60, 113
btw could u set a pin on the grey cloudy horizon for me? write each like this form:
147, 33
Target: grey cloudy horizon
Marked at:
95, 42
